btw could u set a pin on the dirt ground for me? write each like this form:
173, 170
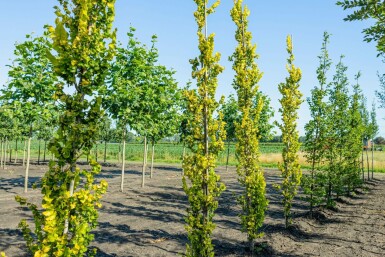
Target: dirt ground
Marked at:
150, 221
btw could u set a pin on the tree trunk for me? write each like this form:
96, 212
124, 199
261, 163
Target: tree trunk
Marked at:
96, 151
10, 151
119, 153
5, 152
228, 154
38, 155
367, 162
183, 155
2, 151
71, 190
45, 149
362, 165
16, 152
372, 158
144, 160
123, 159
152, 159
24, 151
105, 150
28, 160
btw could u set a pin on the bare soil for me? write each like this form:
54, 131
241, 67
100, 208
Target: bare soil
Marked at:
149, 221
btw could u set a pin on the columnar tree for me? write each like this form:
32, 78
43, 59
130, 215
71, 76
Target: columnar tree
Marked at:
200, 181
354, 139
290, 103
83, 46
374, 130
337, 132
250, 175
315, 131
366, 134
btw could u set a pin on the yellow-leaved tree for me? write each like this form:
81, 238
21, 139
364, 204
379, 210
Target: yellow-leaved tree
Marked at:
200, 181
290, 103
247, 75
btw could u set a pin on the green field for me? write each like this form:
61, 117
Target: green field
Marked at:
172, 153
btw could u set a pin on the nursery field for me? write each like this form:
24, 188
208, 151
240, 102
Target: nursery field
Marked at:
150, 221
170, 153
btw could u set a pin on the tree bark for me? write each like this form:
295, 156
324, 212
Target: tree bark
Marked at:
144, 161
96, 151
362, 165
45, 149
71, 190
38, 155
28, 160
367, 162
5, 152
2, 151
183, 155
16, 152
105, 150
123, 159
10, 152
152, 159
228, 154
119, 153
24, 151
372, 158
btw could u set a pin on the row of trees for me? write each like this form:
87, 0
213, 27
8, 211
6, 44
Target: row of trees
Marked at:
336, 134
76, 69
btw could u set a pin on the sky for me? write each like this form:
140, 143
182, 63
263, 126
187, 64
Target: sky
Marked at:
270, 22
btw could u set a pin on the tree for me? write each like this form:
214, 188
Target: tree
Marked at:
366, 134
316, 129
290, 103
368, 9
337, 135
105, 134
231, 116
379, 141
83, 45
374, 10
265, 127
354, 139
205, 141
373, 131
142, 93
250, 175
31, 84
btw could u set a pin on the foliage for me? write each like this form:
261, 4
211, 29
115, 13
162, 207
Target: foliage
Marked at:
374, 128
368, 9
337, 133
354, 139
379, 141
48, 239
80, 57
265, 126
231, 116
200, 182
290, 103
381, 93
247, 75
316, 130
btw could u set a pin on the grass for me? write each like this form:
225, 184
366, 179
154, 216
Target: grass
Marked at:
172, 154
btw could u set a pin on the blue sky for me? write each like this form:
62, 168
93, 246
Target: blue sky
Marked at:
270, 22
